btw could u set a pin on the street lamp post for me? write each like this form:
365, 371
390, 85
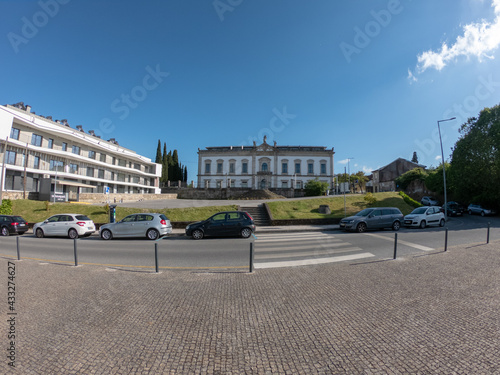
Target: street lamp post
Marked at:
349, 171
444, 169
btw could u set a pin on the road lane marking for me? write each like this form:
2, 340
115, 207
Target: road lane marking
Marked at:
307, 262
410, 244
315, 253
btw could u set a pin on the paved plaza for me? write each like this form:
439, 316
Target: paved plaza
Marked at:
435, 313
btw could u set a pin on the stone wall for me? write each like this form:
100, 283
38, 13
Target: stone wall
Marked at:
19, 195
117, 197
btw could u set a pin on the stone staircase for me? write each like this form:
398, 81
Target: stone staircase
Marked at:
259, 215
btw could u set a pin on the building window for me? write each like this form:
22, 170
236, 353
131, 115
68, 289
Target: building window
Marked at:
90, 172
11, 157
51, 143
114, 161
100, 173
207, 168
231, 168
284, 168
36, 140
102, 158
137, 166
297, 168
122, 163
75, 150
284, 184
92, 154
264, 167
64, 146
310, 168
218, 184
298, 185
14, 133
56, 165
244, 184
112, 176
323, 168
244, 167
73, 168
219, 167
36, 162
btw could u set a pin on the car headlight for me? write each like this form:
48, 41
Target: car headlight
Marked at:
189, 226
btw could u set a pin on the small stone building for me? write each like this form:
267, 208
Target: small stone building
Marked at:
383, 179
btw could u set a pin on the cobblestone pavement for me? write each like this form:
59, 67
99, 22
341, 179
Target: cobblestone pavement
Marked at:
431, 314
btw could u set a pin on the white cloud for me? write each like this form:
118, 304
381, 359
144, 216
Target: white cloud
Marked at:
343, 162
438, 157
478, 39
367, 170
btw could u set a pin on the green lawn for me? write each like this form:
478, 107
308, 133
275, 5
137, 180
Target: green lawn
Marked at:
34, 211
308, 208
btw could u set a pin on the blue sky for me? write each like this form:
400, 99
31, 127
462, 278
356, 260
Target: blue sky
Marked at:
369, 78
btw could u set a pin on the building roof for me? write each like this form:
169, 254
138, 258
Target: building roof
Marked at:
398, 159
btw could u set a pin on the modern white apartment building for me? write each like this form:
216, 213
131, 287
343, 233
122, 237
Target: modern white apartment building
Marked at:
264, 166
35, 150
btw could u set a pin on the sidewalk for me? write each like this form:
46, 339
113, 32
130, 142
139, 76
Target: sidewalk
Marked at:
433, 313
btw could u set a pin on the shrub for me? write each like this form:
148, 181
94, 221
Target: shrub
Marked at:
370, 198
6, 207
106, 208
412, 202
315, 188
47, 205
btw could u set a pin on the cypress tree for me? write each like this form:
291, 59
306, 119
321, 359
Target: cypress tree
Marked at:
158, 153
164, 167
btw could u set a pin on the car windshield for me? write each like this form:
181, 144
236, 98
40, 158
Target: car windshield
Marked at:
18, 218
365, 212
82, 217
419, 211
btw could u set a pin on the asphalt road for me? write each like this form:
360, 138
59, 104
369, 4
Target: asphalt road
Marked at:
271, 249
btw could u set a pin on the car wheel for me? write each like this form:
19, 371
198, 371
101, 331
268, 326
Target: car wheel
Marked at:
423, 224
72, 233
361, 228
441, 223
246, 232
106, 234
5, 231
39, 233
482, 213
396, 225
197, 234
152, 234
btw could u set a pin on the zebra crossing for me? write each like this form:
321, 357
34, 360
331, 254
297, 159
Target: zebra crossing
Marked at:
303, 248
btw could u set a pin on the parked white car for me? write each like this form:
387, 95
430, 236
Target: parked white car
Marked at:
424, 216
429, 201
62, 225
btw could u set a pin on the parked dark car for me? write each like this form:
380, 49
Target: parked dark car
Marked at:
453, 209
230, 223
11, 224
373, 218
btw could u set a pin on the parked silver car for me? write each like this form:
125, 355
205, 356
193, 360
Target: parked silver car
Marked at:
373, 218
71, 225
149, 225
429, 201
479, 210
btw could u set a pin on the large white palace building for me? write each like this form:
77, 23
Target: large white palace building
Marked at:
264, 166
36, 149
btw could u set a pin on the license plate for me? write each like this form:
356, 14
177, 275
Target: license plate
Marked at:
91, 228
22, 225
407, 221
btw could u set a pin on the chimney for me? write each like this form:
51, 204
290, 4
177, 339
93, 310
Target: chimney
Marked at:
91, 132
80, 128
64, 122
49, 118
28, 108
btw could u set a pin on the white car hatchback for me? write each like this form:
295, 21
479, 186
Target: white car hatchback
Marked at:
65, 225
424, 216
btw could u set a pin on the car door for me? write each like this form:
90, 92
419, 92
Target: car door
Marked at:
142, 223
125, 227
433, 216
374, 219
65, 223
233, 223
216, 225
53, 225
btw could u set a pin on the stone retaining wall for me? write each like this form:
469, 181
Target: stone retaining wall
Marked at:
117, 197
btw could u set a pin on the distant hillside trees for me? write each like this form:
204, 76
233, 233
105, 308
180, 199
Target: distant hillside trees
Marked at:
172, 170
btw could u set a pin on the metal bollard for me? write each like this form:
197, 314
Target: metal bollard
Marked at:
488, 235
18, 250
446, 239
156, 257
395, 245
75, 247
251, 257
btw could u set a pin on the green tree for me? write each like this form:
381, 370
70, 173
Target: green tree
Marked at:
164, 165
158, 158
403, 181
434, 180
315, 187
475, 163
